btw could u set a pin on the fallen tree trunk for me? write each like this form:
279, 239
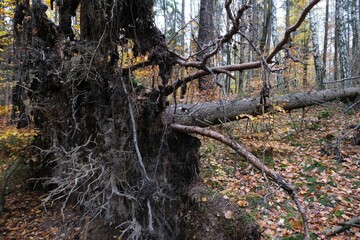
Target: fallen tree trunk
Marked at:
211, 113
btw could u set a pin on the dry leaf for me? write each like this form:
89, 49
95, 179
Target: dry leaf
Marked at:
228, 214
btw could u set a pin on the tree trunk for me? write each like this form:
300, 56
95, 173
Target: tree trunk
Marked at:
266, 28
319, 69
336, 45
355, 22
341, 6
275, 40
211, 113
326, 36
286, 86
102, 145
205, 34
305, 60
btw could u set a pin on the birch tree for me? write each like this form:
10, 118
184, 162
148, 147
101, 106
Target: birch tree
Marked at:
319, 68
340, 22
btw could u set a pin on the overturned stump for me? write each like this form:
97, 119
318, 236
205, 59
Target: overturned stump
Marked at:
100, 144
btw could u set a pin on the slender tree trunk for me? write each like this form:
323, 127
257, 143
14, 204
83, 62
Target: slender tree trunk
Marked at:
266, 28
326, 32
228, 59
355, 53
341, 6
319, 69
183, 27
182, 41
241, 79
275, 40
205, 34
287, 25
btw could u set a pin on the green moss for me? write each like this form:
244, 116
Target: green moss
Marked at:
230, 227
324, 114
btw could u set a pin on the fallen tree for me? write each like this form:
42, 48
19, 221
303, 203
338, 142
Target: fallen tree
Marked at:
210, 113
101, 146
108, 148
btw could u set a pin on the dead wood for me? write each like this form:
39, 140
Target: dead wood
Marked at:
211, 113
355, 222
242, 151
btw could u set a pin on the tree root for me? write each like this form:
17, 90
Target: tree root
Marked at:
276, 177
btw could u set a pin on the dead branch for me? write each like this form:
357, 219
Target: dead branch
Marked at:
242, 151
292, 29
355, 222
243, 66
208, 113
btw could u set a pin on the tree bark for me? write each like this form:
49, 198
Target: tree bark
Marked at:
319, 69
341, 6
211, 113
326, 27
266, 28
205, 34
355, 22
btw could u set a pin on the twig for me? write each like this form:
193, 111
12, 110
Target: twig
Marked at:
343, 79
276, 177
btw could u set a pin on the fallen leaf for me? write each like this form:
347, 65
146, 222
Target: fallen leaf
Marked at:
228, 214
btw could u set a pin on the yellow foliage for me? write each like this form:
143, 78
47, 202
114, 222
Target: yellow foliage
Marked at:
278, 109
15, 142
21, 134
5, 110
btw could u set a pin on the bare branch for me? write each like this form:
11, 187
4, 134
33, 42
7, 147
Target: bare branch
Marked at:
242, 66
292, 29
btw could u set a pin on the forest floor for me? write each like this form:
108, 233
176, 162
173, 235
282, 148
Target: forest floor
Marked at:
303, 146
